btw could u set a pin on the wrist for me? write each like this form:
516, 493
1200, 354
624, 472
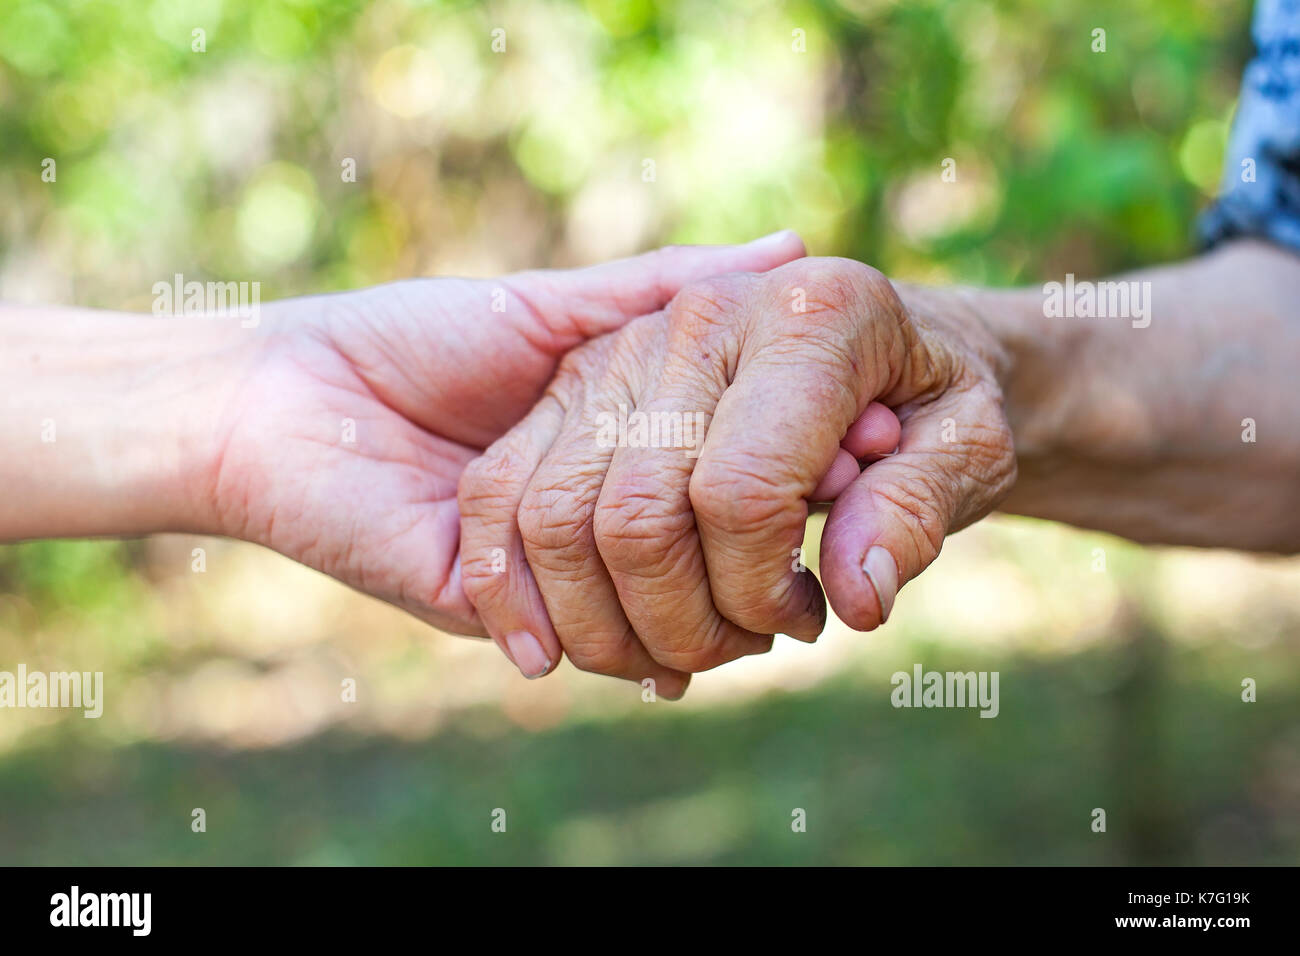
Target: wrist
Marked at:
1037, 354
1026, 355
116, 420
201, 380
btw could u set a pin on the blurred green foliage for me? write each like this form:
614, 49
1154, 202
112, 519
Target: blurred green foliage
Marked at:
603, 128
1183, 779
227, 162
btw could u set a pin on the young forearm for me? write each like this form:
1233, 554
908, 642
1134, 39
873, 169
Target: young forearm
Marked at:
1143, 431
111, 420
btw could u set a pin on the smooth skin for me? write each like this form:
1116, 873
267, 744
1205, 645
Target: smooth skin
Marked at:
651, 563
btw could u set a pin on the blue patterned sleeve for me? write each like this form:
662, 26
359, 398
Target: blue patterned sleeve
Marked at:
1260, 194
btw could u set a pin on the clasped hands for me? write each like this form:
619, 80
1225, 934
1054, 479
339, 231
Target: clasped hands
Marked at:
485, 492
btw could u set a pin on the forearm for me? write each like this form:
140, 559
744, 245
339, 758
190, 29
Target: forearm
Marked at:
111, 422
1143, 431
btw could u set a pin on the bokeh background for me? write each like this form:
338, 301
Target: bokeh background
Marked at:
1120, 667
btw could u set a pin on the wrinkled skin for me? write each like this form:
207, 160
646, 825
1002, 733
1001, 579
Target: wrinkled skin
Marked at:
651, 563
428, 373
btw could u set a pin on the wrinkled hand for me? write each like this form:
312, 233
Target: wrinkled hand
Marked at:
655, 562
348, 437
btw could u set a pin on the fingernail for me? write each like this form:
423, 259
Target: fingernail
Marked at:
771, 239
528, 654
882, 572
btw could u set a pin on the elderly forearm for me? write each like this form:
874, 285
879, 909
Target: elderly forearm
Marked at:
110, 420
1185, 430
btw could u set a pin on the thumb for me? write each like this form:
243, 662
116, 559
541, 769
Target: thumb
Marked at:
890, 524
578, 304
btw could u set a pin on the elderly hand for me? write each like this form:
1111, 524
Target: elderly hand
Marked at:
344, 437
644, 561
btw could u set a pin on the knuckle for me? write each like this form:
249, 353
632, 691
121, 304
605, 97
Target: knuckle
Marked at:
491, 478
689, 653
692, 661
550, 519
597, 656
990, 453
702, 652
578, 367
916, 497
763, 606
989, 433
989, 466
734, 494
839, 285
569, 371
482, 578
858, 281
706, 303
635, 523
